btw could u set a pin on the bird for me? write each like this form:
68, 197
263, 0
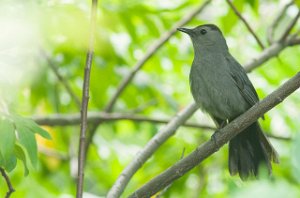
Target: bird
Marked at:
221, 87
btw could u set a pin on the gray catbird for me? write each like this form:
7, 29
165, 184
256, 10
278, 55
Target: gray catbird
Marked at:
220, 86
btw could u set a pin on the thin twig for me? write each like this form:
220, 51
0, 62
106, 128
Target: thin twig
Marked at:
95, 117
296, 34
273, 26
142, 107
151, 50
295, 41
85, 100
246, 23
63, 81
289, 28
279, 137
225, 134
7, 180
92, 130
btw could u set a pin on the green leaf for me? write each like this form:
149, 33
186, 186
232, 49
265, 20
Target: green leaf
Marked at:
230, 19
7, 140
11, 163
27, 139
21, 155
37, 129
128, 24
31, 125
251, 2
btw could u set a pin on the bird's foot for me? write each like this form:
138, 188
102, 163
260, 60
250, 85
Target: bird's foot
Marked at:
223, 124
214, 139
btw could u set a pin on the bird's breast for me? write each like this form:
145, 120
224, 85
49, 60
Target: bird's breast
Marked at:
214, 89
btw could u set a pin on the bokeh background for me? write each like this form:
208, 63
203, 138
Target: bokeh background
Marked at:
36, 34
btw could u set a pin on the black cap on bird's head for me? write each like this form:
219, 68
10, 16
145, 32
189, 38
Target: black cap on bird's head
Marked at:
206, 36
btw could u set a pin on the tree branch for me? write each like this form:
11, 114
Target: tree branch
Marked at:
95, 117
223, 136
7, 180
149, 149
290, 27
63, 81
246, 23
85, 100
295, 41
271, 52
270, 31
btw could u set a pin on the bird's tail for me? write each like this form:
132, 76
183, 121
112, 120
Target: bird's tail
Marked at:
248, 150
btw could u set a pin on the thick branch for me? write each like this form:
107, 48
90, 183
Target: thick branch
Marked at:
7, 180
225, 134
149, 149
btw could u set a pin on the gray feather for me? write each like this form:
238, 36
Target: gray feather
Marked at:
221, 87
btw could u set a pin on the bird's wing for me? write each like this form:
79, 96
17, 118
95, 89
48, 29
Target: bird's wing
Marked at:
242, 81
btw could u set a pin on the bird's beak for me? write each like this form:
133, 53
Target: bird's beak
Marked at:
185, 30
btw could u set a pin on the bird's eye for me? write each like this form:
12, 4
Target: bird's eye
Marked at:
203, 31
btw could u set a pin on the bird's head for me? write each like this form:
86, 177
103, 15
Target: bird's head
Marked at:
207, 37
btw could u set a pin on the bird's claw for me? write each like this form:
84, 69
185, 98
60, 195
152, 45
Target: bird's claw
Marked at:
214, 139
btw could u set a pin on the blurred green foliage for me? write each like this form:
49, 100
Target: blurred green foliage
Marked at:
125, 30
18, 141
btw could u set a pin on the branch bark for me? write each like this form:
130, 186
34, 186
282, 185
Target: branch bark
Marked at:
223, 136
149, 149
270, 52
246, 24
290, 27
278, 18
7, 180
95, 117
85, 100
